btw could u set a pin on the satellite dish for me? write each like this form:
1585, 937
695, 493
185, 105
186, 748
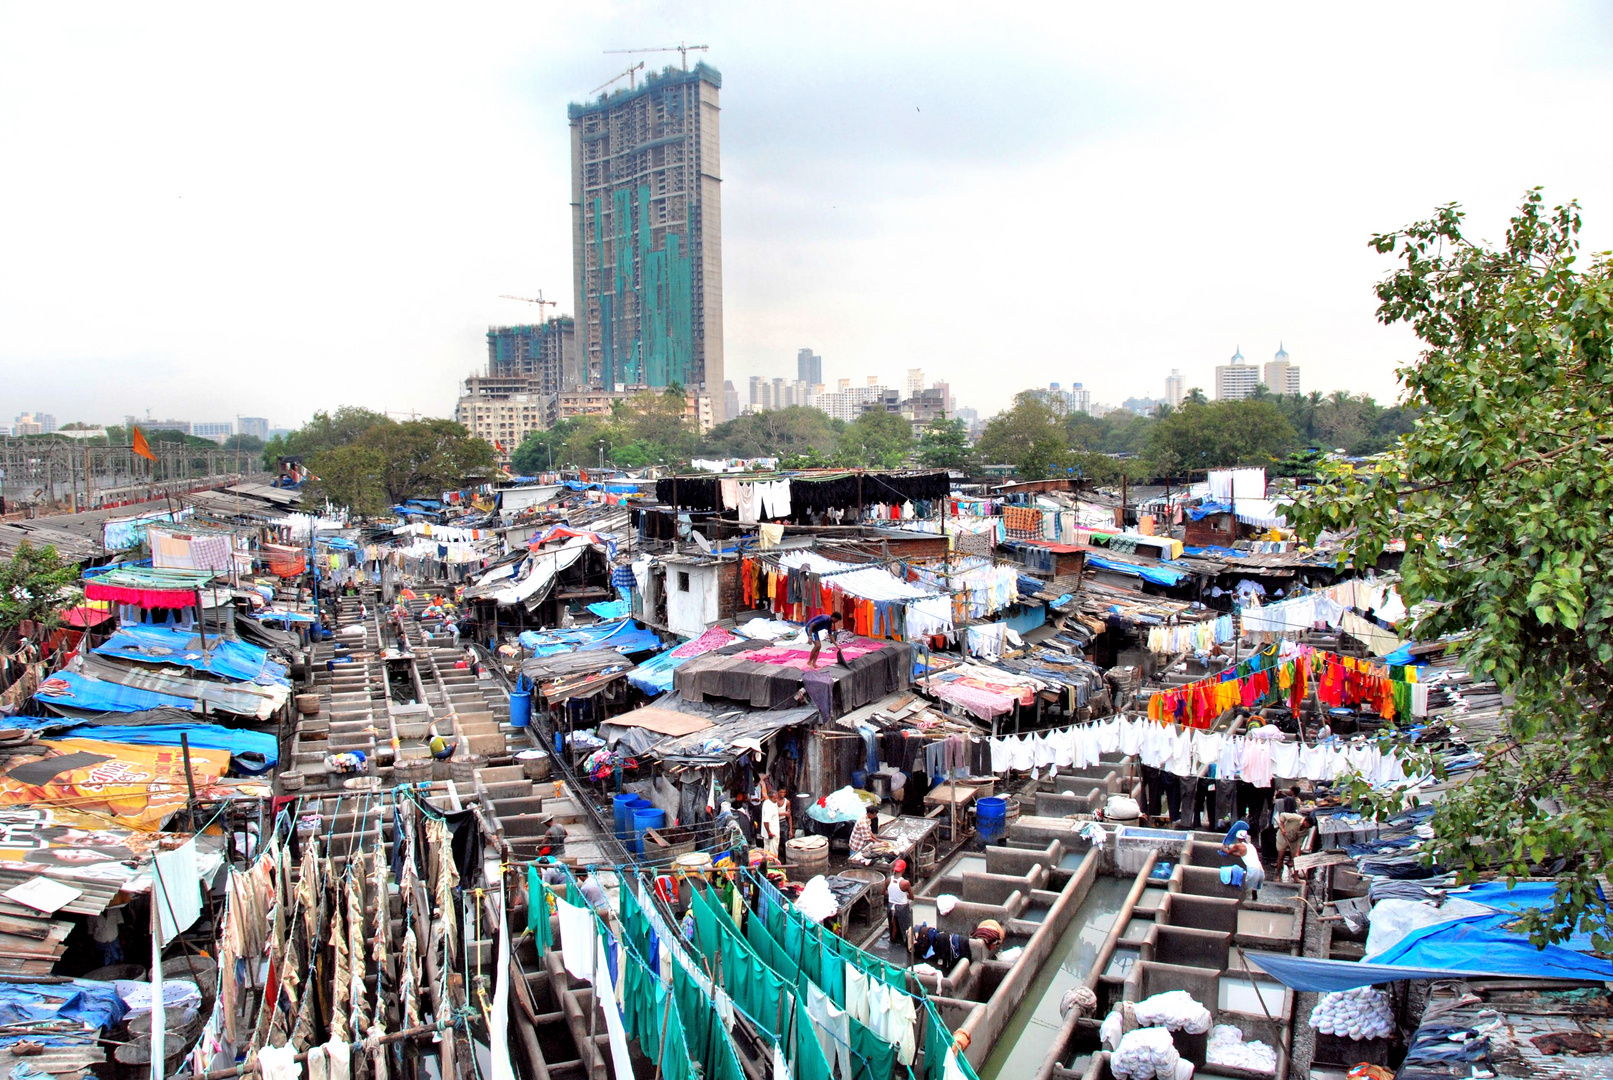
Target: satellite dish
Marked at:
705, 545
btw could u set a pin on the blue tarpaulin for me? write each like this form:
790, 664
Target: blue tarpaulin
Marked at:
71, 690
252, 751
1481, 945
1159, 575
84, 1000
1205, 509
612, 609
625, 636
228, 659
654, 676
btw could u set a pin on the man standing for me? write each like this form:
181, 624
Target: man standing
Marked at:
821, 628
899, 903
770, 826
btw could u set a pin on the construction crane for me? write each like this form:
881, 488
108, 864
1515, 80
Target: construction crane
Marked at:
628, 75
540, 301
681, 48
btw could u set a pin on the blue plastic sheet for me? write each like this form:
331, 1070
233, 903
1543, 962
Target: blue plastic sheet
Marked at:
1199, 512
654, 676
251, 751
1159, 575
70, 690
1481, 945
625, 636
84, 1000
612, 609
236, 660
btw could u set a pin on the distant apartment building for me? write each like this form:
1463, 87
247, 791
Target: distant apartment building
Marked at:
809, 367
847, 402
646, 211
730, 401
925, 407
1175, 388
970, 417
1062, 401
504, 409
27, 424
181, 426
544, 351
594, 401
1236, 379
915, 382
217, 431
256, 426
1280, 376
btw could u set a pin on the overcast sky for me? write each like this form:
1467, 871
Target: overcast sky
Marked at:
212, 210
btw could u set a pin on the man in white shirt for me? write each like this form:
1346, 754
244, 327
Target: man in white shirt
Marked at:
770, 826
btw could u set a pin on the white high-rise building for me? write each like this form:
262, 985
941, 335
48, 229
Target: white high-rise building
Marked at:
1281, 376
1175, 388
915, 382
1236, 379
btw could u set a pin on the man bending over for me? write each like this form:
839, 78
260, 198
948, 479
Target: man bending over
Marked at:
819, 629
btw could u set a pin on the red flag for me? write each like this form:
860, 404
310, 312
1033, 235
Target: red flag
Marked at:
140, 446
498, 446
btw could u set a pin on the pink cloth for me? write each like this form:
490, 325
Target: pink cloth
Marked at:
790, 657
972, 699
712, 639
146, 598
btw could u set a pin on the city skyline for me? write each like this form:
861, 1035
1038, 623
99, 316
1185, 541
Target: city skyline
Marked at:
352, 217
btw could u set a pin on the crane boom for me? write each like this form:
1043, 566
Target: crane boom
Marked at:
628, 75
683, 49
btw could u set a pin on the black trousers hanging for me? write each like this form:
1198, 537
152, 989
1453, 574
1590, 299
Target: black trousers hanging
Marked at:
1153, 788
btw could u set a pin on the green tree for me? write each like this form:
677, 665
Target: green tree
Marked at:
1209, 435
876, 439
786, 432
326, 431
243, 442
1030, 437
388, 462
1500, 493
945, 444
31, 586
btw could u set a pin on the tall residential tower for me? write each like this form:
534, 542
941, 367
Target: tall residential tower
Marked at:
646, 213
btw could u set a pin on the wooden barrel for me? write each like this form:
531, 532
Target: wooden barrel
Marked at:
463, 770
411, 770
308, 704
808, 857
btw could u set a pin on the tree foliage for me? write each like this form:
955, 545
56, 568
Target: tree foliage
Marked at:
786, 432
31, 584
1030, 437
367, 462
646, 429
877, 440
945, 444
1500, 492
1210, 435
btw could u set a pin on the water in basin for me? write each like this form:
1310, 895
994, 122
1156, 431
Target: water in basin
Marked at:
1026, 1039
968, 864
1137, 929
1271, 924
1239, 995
1071, 860
1121, 961
1034, 913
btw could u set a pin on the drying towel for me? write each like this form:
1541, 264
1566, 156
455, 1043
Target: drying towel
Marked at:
1232, 875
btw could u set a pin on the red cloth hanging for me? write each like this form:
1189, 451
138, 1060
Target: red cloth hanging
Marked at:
146, 598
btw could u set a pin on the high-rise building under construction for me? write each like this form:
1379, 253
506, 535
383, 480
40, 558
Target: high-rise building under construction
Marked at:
646, 211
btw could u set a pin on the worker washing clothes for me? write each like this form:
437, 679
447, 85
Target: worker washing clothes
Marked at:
822, 628
1237, 846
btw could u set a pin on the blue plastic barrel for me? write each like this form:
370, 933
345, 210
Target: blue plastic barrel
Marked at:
520, 708
646, 818
991, 818
622, 807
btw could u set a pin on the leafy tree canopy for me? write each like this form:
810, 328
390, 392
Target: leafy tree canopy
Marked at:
1210, 435
367, 462
1030, 437
877, 439
1500, 492
945, 444
31, 584
783, 432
